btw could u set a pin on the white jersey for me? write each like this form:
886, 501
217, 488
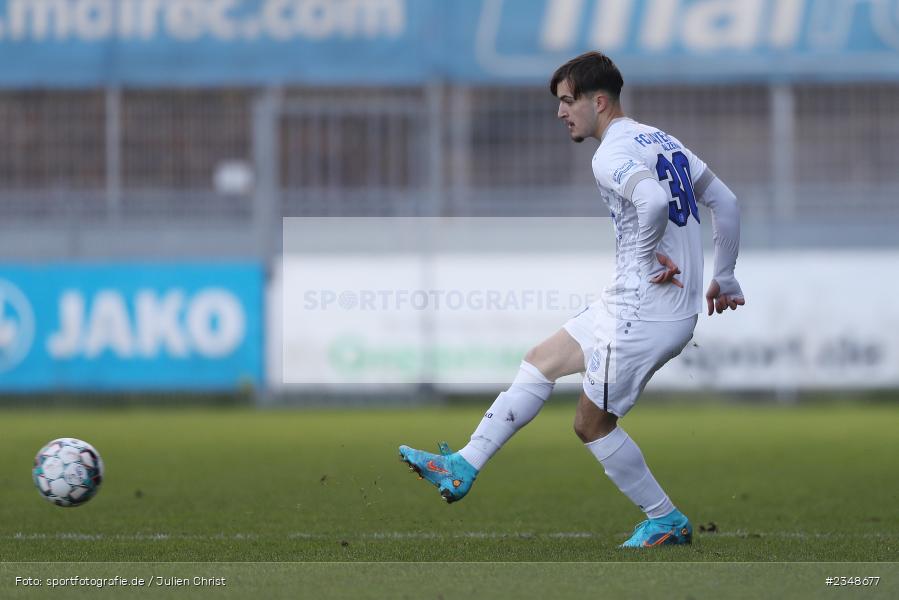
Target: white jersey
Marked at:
629, 153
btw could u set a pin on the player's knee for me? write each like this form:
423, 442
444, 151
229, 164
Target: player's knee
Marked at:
532, 356
584, 429
591, 428
545, 362
580, 429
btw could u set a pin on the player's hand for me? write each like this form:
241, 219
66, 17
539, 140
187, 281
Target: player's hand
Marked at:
724, 295
668, 274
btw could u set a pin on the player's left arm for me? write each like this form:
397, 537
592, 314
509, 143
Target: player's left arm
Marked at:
622, 170
651, 203
724, 291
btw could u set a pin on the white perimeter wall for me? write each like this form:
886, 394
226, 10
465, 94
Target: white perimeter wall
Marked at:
817, 319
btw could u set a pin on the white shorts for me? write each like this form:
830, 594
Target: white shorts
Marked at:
620, 356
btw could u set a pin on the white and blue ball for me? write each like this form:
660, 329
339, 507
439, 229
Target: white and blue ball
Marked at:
67, 472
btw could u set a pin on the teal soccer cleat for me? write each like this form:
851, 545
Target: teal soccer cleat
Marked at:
451, 473
673, 528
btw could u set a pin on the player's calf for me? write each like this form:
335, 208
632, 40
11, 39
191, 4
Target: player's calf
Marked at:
512, 410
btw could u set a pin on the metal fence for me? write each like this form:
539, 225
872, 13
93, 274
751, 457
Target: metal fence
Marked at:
188, 172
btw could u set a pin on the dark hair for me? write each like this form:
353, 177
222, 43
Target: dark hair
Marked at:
589, 72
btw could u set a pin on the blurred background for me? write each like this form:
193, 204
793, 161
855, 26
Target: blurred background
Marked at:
150, 150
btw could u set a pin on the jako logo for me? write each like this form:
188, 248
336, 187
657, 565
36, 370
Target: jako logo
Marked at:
210, 323
16, 326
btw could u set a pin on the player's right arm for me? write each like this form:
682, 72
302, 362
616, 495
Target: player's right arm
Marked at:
724, 291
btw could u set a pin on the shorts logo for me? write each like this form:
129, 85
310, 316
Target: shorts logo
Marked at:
593, 366
594, 361
621, 171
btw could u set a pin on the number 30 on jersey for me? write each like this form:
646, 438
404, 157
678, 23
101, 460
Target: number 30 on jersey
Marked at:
678, 171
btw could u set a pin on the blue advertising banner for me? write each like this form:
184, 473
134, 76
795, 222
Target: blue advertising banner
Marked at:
250, 42
131, 326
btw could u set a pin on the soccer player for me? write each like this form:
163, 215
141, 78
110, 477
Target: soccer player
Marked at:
651, 184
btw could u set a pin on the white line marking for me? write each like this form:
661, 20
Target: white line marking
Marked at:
416, 535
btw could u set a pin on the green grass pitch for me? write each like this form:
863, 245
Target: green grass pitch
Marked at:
769, 484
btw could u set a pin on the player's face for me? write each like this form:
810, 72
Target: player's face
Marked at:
578, 115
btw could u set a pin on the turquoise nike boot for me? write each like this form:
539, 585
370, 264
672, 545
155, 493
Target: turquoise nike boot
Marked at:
673, 528
448, 471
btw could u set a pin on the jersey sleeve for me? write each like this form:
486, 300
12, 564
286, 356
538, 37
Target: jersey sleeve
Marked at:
700, 173
620, 169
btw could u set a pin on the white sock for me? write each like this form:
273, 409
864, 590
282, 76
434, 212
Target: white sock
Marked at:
625, 466
512, 410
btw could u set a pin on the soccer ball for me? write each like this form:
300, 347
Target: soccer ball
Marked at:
67, 472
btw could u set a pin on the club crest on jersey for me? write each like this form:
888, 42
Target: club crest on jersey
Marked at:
621, 171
